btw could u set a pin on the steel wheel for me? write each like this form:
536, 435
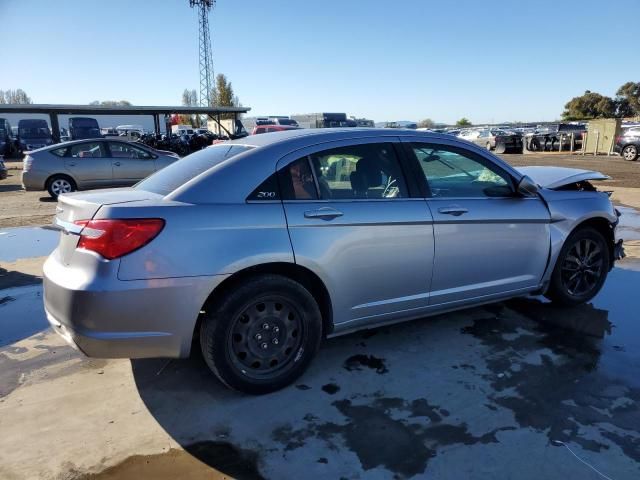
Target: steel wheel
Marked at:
630, 152
582, 267
265, 337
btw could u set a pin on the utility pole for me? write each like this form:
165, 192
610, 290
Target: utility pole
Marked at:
205, 54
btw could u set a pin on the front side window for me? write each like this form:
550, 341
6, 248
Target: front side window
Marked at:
87, 150
453, 173
369, 171
123, 150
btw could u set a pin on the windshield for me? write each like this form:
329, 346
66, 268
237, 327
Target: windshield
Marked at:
34, 132
86, 132
178, 173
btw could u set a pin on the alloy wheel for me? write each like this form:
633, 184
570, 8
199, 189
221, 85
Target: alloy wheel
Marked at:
60, 186
265, 337
630, 152
582, 267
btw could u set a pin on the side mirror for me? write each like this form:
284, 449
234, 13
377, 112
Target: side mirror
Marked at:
527, 187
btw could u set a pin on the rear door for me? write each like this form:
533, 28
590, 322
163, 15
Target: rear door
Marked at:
488, 240
89, 164
130, 163
352, 220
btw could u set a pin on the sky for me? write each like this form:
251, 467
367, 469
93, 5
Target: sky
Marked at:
489, 61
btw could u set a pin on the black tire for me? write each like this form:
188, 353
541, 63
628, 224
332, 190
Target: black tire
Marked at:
232, 326
582, 263
59, 184
500, 148
630, 153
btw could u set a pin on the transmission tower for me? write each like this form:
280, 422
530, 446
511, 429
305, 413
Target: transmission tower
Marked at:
204, 40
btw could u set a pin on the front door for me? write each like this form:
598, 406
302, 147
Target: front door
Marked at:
130, 163
488, 240
89, 164
353, 221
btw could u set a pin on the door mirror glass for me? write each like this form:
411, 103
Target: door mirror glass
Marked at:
527, 187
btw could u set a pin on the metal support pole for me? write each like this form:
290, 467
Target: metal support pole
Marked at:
595, 150
572, 139
55, 127
560, 144
156, 123
583, 147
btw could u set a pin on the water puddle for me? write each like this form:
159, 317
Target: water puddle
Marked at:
26, 242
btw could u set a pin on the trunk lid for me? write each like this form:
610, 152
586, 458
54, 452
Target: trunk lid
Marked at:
83, 206
558, 177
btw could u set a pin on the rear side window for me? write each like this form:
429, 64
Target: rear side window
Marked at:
178, 173
60, 152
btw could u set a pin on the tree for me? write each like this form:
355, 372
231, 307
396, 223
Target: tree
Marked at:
17, 96
190, 99
463, 122
222, 95
112, 103
588, 106
426, 123
628, 99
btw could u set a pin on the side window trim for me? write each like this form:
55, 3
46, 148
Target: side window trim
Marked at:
461, 151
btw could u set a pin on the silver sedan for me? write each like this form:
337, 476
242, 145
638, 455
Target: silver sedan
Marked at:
94, 163
259, 248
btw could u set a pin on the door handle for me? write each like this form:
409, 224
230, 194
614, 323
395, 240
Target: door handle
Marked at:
117, 164
325, 213
455, 211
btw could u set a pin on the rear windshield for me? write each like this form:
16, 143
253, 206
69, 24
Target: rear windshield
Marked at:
180, 172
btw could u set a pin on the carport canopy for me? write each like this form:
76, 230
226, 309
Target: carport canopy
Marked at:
53, 110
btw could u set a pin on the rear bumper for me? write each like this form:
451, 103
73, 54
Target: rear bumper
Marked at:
111, 318
34, 180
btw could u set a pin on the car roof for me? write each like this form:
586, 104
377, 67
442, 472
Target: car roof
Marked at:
330, 134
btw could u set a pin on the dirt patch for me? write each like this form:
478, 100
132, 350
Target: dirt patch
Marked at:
184, 464
19, 208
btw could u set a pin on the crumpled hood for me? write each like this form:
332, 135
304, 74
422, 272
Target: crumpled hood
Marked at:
557, 177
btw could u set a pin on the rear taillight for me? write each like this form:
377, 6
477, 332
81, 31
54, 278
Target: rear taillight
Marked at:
116, 238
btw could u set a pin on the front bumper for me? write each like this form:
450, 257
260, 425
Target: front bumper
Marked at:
109, 318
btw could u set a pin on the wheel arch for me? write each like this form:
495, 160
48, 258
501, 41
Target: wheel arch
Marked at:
604, 227
307, 278
59, 174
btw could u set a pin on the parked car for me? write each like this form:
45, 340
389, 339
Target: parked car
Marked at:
3, 169
271, 128
256, 250
8, 146
33, 134
81, 128
628, 144
285, 121
498, 140
84, 164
